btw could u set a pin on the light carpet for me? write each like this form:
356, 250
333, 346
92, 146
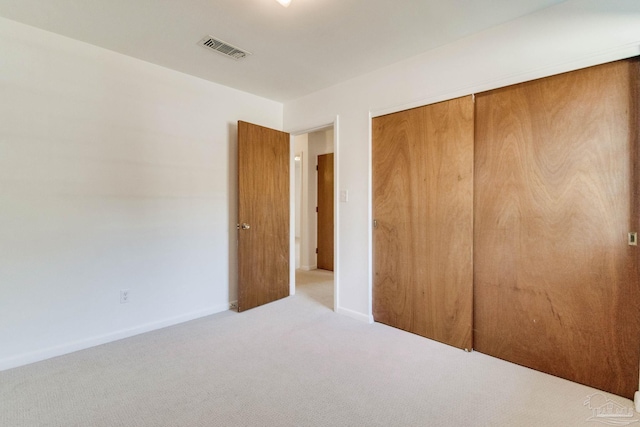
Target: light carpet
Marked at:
293, 362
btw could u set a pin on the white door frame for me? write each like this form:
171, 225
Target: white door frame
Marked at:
336, 208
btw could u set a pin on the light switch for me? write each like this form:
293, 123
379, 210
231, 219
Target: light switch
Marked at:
344, 196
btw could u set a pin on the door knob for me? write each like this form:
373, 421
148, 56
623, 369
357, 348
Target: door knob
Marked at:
245, 226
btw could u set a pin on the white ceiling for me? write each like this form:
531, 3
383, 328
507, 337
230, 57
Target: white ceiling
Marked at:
297, 50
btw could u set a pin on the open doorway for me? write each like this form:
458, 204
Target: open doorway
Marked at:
314, 234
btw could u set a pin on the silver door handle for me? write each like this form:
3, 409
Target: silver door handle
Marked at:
245, 226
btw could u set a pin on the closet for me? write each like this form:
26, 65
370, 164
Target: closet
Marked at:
554, 268
423, 210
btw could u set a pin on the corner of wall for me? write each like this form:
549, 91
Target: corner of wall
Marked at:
355, 315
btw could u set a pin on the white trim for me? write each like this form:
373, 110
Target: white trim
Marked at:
70, 347
636, 400
363, 317
336, 221
336, 213
292, 214
329, 123
370, 218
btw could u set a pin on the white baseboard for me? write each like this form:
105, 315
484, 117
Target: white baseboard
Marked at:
308, 267
60, 350
355, 315
636, 401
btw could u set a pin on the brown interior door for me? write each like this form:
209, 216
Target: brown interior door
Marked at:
325, 212
556, 284
423, 228
263, 215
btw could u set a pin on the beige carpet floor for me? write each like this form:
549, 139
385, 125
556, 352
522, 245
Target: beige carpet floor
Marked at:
289, 363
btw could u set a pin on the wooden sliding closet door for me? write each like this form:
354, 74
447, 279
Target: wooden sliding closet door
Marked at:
423, 211
556, 284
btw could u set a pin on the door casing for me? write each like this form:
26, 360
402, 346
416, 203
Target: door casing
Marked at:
334, 123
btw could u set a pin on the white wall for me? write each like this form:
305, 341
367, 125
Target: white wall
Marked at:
301, 144
114, 174
574, 34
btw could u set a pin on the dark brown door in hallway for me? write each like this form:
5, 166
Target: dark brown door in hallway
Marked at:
325, 212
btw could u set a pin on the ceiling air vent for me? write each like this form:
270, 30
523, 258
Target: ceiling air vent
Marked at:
223, 48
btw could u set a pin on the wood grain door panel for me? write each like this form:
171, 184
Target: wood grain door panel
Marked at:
556, 285
263, 204
325, 212
423, 208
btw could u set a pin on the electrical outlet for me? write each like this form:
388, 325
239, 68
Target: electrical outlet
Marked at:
124, 296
